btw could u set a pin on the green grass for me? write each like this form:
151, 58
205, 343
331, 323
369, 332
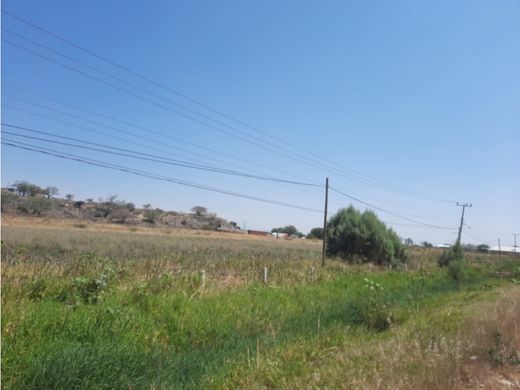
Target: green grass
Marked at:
93, 310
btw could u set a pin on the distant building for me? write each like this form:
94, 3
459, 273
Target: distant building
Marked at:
505, 249
258, 233
444, 246
280, 235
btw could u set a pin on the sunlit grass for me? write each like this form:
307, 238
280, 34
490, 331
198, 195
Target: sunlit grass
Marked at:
83, 309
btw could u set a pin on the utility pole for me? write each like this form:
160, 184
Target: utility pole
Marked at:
463, 205
499, 251
514, 246
324, 248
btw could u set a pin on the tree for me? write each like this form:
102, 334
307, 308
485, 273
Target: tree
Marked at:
290, 230
50, 191
408, 241
199, 210
427, 244
483, 248
69, 197
25, 188
316, 233
353, 235
78, 204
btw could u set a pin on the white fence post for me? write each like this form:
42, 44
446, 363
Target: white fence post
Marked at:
266, 275
203, 278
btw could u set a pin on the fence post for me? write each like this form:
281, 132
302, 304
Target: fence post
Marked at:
203, 277
266, 275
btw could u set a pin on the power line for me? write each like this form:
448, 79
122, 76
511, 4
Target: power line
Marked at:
145, 156
371, 179
148, 130
307, 190
282, 151
389, 212
141, 173
136, 87
413, 215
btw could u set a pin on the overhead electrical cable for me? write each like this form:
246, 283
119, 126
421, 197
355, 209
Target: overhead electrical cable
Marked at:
389, 212
371, 179
151, 131
268, 147
144, 156
307, 190
102, 164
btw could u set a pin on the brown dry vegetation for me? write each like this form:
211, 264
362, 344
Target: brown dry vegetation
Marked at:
296, 332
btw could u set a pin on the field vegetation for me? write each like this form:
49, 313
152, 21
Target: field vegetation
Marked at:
88, 308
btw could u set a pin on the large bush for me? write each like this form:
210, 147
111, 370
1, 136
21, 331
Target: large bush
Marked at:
357, 236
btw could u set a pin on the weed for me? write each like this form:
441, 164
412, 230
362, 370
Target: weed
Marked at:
374, 311
502, 352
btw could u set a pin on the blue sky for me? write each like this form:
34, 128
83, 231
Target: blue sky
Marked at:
422, 95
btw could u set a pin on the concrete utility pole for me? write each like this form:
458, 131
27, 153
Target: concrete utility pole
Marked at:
324, 248
463, 205
514, 246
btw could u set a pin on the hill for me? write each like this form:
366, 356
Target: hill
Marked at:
31, 200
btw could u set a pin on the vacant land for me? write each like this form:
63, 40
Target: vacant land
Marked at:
97, 307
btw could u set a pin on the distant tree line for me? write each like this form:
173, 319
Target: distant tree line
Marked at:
290, 230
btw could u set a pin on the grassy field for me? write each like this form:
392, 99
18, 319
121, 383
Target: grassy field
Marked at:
103, 308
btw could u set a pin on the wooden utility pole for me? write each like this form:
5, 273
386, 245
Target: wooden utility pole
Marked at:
463, 205
324, 248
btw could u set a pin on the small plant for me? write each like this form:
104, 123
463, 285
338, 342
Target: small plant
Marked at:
375, 314
501, 352
90, 289
85, 289
417, 288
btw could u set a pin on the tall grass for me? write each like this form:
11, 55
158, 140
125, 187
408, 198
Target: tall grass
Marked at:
84, 309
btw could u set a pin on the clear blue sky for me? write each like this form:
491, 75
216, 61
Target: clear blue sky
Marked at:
423, 95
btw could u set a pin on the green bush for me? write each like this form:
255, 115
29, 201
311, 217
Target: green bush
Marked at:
353, 235
455, 253
453, 258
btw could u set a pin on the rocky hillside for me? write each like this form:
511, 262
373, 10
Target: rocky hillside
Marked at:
42, 203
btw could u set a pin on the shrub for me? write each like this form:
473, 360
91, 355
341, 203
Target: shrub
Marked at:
374, 311
455, 253
355, 235
150, 215
38, 205
457, 271
453, 258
